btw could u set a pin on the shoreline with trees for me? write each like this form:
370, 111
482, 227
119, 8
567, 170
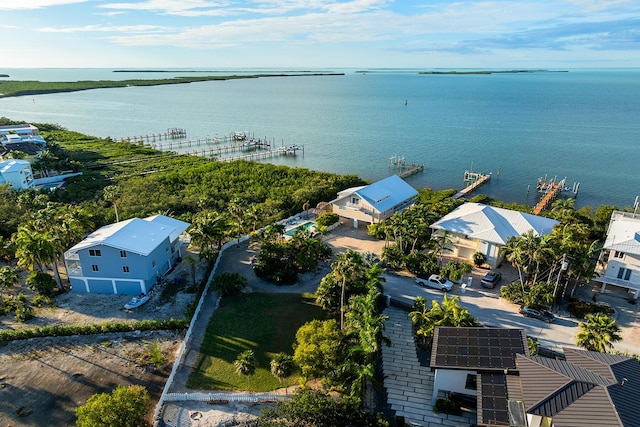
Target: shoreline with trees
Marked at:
10, 88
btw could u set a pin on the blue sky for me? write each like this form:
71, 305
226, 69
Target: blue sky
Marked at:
320, 34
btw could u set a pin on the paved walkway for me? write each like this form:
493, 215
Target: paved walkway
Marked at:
409, 386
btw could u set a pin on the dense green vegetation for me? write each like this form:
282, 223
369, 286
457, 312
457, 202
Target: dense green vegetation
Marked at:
124, 407
123, 180
33, 87
239, 325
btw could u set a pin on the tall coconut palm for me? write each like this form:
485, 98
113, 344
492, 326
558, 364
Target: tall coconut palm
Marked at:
246, 365
236, 208
345, 269
513, 254
111, 193
598, 333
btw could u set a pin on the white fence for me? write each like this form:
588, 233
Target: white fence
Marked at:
225, 397
187, 337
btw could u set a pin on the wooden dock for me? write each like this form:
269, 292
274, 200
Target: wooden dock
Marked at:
475, 180
173, 133
403, 168
550, 190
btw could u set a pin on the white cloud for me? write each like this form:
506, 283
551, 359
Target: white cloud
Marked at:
34, 4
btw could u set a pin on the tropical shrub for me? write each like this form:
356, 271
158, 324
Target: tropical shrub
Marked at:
579, 308
454, 270
42, 283
326, 219
479, 259
227, 283
512, 292
124, 406
316, 408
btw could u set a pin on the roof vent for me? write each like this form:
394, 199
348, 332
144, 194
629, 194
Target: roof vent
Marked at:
624, 380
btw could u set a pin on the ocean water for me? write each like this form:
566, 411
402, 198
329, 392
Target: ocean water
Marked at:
583, 124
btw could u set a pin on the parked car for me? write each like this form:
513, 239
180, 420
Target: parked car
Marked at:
491, 279
537, 313
435, 281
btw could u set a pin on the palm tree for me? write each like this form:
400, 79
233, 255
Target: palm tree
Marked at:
513, 254
207, 230
447, 313
364, 321
282, 366
35, 249
110, 193
236, 209
344, 270
598, 333
246, 365
441, 239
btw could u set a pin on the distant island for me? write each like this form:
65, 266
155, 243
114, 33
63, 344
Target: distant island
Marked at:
33, 87
4, 75
490, 72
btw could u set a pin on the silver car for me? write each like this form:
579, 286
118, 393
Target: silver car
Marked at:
435, 281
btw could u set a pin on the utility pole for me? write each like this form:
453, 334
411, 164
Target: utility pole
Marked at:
563, 267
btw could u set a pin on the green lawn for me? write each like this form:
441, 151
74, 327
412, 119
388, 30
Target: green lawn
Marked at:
264, 323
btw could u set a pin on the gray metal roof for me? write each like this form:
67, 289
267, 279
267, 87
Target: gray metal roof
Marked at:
589, 389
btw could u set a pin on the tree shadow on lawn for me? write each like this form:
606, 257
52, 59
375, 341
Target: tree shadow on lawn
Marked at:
264, 323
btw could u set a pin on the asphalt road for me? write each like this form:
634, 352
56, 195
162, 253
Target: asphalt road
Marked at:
486, 306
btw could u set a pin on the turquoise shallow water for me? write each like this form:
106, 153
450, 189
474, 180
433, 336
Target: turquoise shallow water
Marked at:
581, 124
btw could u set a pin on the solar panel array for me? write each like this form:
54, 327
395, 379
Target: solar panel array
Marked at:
493, 398
477, 348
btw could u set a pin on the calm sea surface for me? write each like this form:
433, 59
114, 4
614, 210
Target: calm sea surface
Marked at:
581, 124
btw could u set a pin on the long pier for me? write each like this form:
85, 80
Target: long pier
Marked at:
475, 179
173, 133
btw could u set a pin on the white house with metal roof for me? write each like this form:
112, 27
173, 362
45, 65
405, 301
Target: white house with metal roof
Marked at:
622, 253
475, 227
17, 173
374, 202
126, 257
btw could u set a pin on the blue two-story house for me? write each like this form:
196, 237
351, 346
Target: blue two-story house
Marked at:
127, 257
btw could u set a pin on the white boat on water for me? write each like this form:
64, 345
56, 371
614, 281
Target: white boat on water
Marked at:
136, 302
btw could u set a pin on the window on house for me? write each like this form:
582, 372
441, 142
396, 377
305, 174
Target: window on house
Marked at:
95, 252
624, 274
471, 382
123, 254
125, 268
153, 263
94, 267
355, 200
618, 254
166, 249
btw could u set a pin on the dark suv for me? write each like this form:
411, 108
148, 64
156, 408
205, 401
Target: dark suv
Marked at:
491, 279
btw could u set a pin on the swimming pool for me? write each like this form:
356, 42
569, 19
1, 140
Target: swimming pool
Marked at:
309, 226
